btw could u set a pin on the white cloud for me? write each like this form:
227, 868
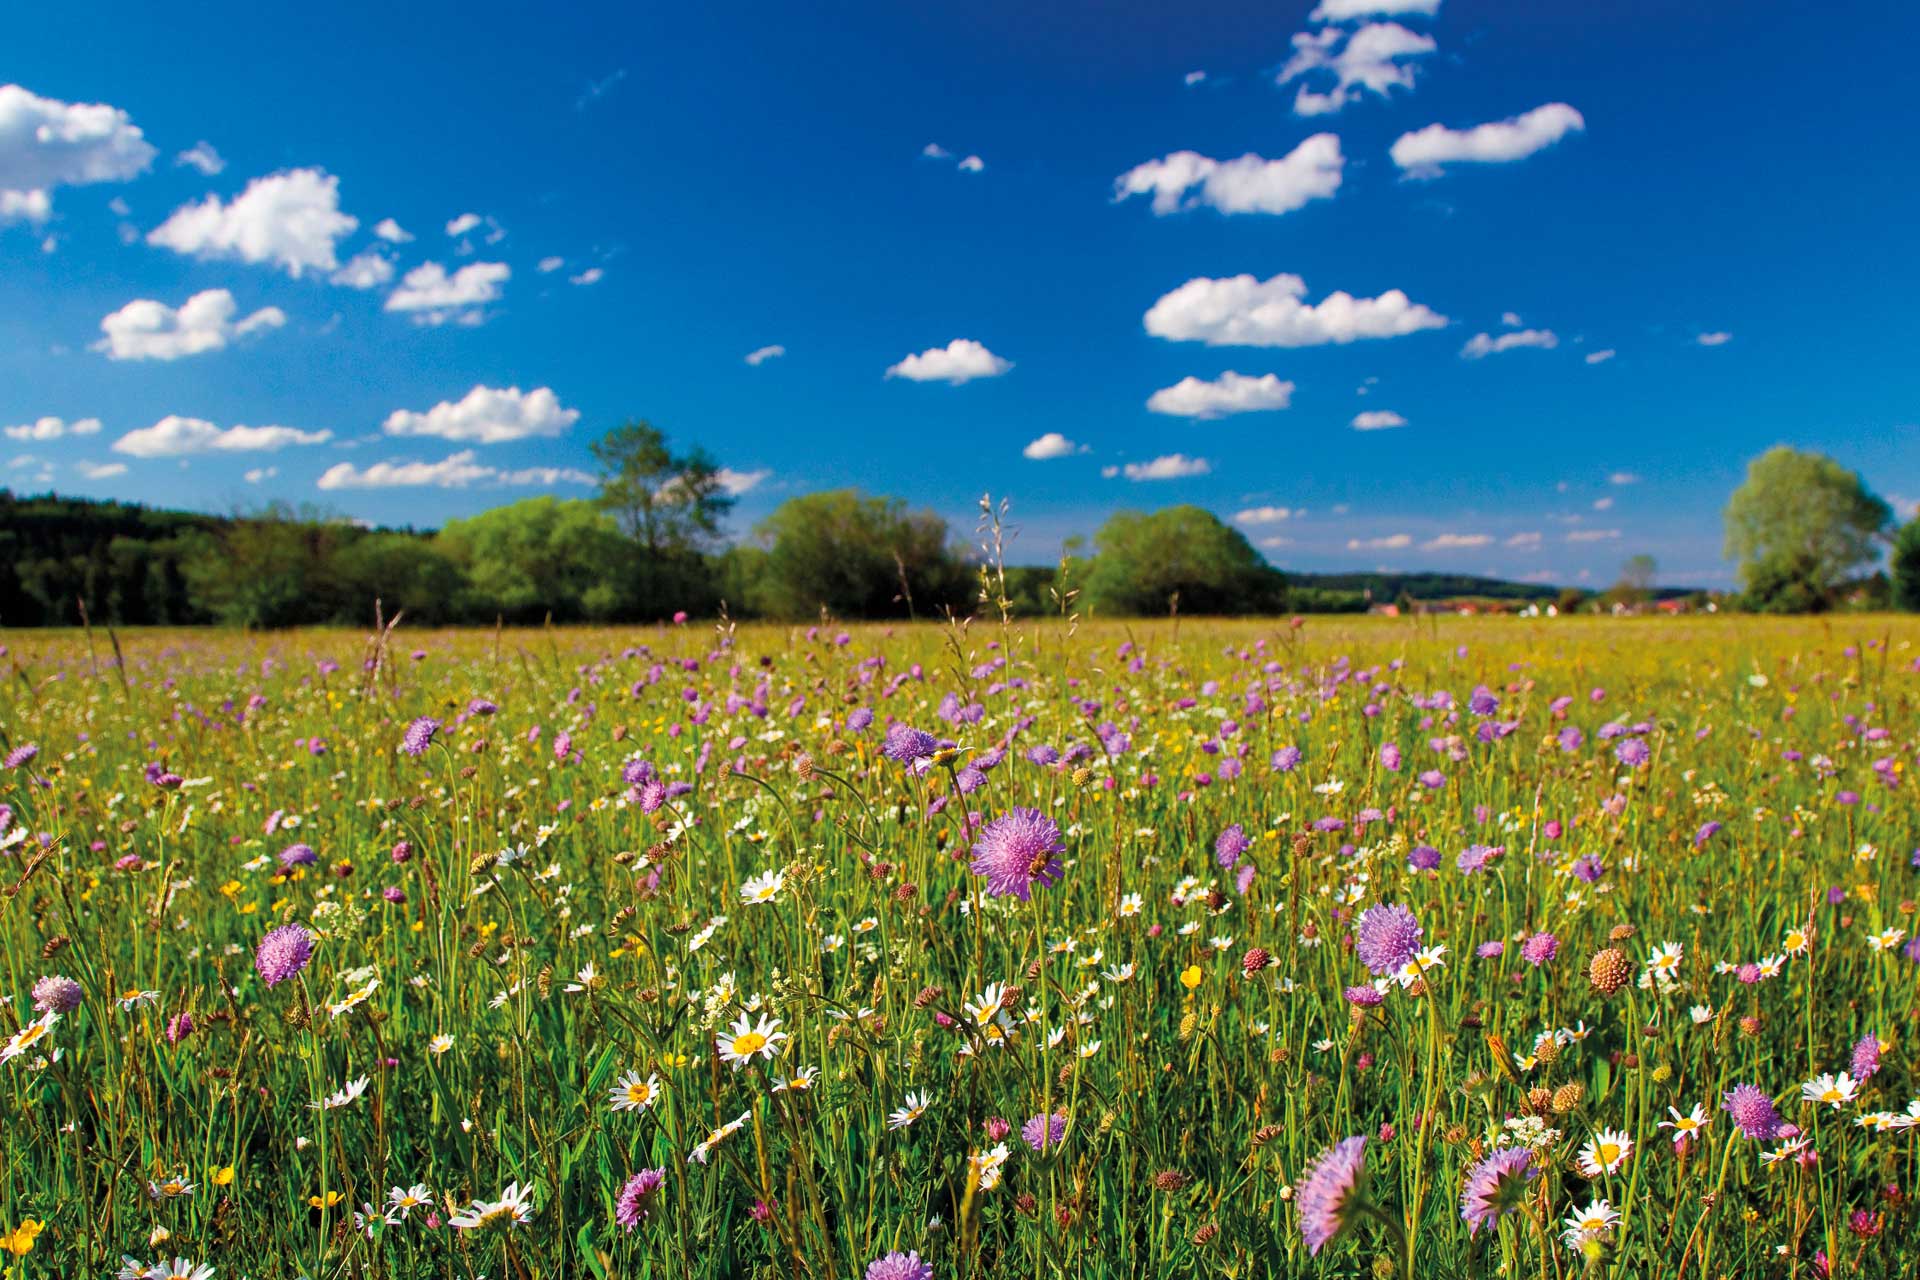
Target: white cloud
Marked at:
257, 474
1456, 541
1714, 339
434, 297
392, 232
1264, 515
1194, 77
148, 330
53, 429
934, 151
1481, 345
463, 224
46, 143
591, 275
100, 470
368, 269
1511, 319
552, 264
1529, 541
1371, 59
455, 472
1600, 357
1425, 153
1276, 542
1347, 10
760, 355
1377, 420
739, 482
174, 436
1251, 184
1593, 535
487, 415
1051, 445
1623, 477
1245, 312
972, 164
1392, 542
203, 157
1230, 393
290, 220
961, 360
1603, 504
1172, 466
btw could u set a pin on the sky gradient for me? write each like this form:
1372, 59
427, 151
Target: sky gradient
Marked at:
1584, 261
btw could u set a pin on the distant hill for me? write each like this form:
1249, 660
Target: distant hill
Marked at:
1385, 588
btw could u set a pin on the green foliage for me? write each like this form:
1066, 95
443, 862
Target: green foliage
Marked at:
1144, 562
539, 556
671, 504
1904, 566
1799, 526
858, 557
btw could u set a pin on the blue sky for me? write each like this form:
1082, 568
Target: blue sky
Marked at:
1720, 195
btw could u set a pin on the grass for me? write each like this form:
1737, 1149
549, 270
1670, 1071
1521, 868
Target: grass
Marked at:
517, 927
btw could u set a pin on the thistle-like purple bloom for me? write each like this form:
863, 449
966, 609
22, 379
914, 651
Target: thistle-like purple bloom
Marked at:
57, 993
1866, 1055
900, 1266
1386, 937
283, 953
906, 744
1045, 1132
1633, 753
419, 736
1363, 997
298, 855
1496, 1186
1017, 850
1286, 759
1540, 948
22, 754
1331, 1191
1753, 1111
1423, 858
859, 719
1707, 831
1588, 868
1475, 857
635, 1204
1230, 845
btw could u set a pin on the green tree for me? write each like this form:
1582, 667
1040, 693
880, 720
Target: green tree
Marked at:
542, 555
667, 502
1142, 562
1799, 526
856, 556
1905, 566
404, 572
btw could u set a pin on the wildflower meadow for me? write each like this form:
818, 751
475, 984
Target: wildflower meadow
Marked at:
1348, 947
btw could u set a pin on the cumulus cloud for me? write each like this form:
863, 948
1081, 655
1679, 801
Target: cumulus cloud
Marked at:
1264, 515
591, 275
1240, 311
549, 265
1481, 345
1391, 542
760, 355
1347, 10
46, 143
368, 269
1593, 535
1600, 357
1051, 445
53, 429
1623, 477
1377, 420
1376, 58
455, 472
1229, 393
972, 164
174, 437
1194, 77
1171, 466
392, 232
1251, 184
148, 330
290, 220
1527, 541
934, 151
203, 157
961, 360
255, 475
1456, 541
463, 224
1425, 153
1603, 504
433, 297
1714, 339
740, 482
487, 415
100, 470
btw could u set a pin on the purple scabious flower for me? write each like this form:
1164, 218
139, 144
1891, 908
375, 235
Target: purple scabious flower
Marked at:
1866, 1055
651, 795
1045, 1132
1363, 996
1707, 831
1390, 757
481, 707
298, 855
635, 1204
1633, 753
1230, 845
1491, 950
1483, 703
1423, 858
179, 1027
57, 993
419, 736
1752, 1110
1496, 1186
1540, 948
1286, 760
22, 754
1386, 936
1330, 1193
283, 953
1017, 850
1588, 868
900, 1266
906, 744
859, 719
1475, 857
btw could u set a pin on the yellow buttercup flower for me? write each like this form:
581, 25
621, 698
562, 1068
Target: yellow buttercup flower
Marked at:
221, 1177
19, 1241
1190, 976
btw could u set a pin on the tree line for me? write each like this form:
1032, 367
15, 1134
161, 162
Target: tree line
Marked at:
649, 544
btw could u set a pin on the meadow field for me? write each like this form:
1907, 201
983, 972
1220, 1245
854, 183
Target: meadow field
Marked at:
1345, 947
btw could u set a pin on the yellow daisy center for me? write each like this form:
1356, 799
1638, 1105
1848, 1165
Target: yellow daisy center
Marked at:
750, 1043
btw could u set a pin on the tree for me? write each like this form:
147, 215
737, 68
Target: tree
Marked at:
855, 556
405, 572
671, 504
542, 555
1799, 525
1905, 566
1143, 561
